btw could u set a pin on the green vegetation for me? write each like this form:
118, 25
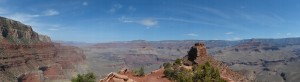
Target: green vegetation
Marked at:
201, 73
89, 77
139, 72
177, 62
167, 65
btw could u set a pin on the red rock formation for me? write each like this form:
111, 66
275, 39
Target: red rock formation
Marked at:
197, 56
47, 57
29, 57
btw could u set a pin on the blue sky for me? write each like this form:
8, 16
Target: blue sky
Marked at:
124, 20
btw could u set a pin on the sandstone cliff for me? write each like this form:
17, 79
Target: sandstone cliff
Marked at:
15, 32
26, 56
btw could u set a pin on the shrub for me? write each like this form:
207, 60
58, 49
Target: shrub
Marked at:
140, 72
167, 65
89, 77
184, 76
206, 73
178, 62
169, 73
201, 73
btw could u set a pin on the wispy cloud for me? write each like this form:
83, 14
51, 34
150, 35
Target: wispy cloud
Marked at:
187, 21
23, 17
192, 34
288, 34
261, 19
203, 15
33, 19
85, 3
115, 8
125, 19
216, 12
149, 22
51, 12
54, 27
229, 33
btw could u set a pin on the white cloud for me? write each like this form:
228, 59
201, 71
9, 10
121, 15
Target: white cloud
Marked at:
229, 33
149, 22
288, 34
85, 3
125, 19
51, 12
115, 8
131, 8
192, 34
22, 17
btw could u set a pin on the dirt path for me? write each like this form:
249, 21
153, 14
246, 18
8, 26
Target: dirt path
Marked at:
153, 77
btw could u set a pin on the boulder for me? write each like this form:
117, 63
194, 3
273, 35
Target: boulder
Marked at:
120, 76
117, 80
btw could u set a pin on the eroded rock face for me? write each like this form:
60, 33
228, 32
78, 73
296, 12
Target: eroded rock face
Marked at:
50, 58
198, 55
197, 51
44, 38
15, 32
26, 56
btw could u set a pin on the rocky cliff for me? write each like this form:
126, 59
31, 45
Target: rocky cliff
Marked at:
197, 55
26, 56
44, 38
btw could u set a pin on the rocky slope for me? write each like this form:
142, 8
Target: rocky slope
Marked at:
274, 60
265, 60
26, 56
197, 55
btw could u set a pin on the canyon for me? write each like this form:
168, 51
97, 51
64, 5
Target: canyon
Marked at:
259, 59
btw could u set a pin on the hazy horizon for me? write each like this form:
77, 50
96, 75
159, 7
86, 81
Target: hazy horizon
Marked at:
166, 40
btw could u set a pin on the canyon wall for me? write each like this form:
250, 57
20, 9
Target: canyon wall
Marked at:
26, 56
